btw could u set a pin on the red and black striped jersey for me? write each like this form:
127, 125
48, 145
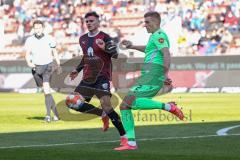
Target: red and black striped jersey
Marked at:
95, 61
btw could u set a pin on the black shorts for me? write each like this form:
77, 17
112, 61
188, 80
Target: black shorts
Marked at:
100, 88
42, 73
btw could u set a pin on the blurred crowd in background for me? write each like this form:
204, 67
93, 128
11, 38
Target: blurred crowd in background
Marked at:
200, 27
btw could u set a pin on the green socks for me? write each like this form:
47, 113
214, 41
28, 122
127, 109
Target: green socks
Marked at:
142, 104
128, 123
147, 103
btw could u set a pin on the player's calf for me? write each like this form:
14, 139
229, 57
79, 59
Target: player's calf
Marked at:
105, 120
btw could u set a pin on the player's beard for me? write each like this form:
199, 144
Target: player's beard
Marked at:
148, 30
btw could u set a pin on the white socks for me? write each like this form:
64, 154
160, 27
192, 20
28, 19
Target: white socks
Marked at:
132, 143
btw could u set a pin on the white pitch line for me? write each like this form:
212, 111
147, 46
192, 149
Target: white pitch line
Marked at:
223, 131
113, 141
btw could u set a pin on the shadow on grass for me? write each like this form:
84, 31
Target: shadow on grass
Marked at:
165, 142
92, 135
36, 118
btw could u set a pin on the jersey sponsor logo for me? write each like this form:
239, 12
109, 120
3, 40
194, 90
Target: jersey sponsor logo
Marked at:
90, 51
161, 40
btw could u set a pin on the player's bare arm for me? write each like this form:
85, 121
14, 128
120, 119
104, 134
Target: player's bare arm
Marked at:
167, 61
28, 59
129, 45
55, 56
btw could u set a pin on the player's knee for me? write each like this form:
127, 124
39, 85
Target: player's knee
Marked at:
166, 89
123, 107
127, 102
46, 88
106, 103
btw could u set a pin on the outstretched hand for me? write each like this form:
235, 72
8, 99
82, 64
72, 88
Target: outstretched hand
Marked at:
125, 43
168, 81
31, 65
100, 43
73, 74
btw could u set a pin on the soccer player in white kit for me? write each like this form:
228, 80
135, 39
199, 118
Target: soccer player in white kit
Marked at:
40, 53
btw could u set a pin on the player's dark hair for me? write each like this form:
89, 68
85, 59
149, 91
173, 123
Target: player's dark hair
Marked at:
38, 22
153, 14
91, 14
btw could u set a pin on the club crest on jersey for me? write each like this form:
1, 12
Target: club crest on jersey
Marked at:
161, 40
90, 51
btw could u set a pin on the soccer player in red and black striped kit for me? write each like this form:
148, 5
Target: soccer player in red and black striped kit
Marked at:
98, 49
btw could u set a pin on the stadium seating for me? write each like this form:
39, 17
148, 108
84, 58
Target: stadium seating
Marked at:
124, 15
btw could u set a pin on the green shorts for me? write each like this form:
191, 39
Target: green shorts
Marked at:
149, 84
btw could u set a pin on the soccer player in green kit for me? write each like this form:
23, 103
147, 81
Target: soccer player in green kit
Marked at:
154, 77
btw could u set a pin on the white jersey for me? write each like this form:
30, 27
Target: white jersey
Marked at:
41, 49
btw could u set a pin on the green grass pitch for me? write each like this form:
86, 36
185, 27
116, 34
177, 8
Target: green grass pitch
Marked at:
24, 134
